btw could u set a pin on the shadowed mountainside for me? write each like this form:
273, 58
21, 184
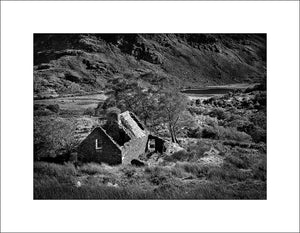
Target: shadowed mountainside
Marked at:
84, 63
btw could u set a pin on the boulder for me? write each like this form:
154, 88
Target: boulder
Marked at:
137, 163
171, 148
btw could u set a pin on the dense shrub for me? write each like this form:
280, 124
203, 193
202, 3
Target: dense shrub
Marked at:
261, 99
260, 169
198, 110
197, 102
219, 113
54, 108
237, 160
259, 119
236, 121
220, 132
235, 143
113, 111
211, 121
181, 155
194, 133
209, 101
233, 134
89, 112
129, 171
157, 175
209, 132
53, 135
198, 149
39, 107
257, 134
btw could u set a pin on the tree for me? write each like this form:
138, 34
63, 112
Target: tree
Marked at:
53, 135
143, 102
121, 86
128, 95
171, 106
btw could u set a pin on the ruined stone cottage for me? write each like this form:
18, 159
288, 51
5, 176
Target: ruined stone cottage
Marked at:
120, 140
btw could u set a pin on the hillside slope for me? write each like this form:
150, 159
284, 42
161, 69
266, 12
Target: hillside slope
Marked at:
84, 63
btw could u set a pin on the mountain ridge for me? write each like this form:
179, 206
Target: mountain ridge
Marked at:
85, 63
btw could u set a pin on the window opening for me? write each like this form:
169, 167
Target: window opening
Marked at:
98, 144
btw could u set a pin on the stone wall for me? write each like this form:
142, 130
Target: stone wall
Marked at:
133, 149
109, 153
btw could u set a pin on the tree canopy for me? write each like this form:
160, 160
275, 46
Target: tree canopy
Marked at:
152, 105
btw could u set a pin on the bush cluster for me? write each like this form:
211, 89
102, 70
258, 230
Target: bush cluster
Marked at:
129, 171
157, 175
219, 133
54, 137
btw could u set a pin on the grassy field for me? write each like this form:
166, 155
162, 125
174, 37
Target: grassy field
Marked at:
239, 175
74, 103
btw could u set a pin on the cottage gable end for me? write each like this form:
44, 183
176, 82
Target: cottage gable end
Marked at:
99, 147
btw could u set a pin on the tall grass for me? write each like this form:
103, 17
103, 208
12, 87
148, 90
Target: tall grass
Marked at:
227, 174
178, 180
53, 169
246, 190
93, 168
194, 169
51, 173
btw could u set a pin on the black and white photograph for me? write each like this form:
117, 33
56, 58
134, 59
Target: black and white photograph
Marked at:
150, 116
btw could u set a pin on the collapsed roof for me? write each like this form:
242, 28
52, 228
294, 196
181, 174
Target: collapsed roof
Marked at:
125, 129
131, 124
